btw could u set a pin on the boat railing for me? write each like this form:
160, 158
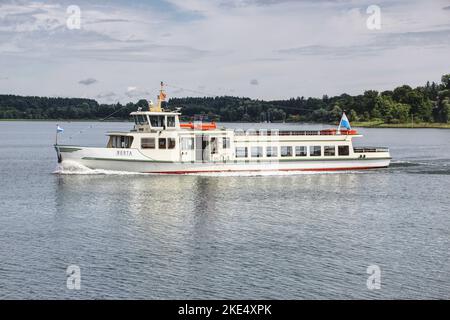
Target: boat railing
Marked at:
275, 132
370, 149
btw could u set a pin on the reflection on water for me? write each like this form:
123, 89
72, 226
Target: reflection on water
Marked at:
283, 237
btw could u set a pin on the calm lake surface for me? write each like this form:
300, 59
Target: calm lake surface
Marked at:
306, 236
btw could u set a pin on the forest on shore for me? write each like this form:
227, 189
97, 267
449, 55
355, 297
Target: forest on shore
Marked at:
424, 104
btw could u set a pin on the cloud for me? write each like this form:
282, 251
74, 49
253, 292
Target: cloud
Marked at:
135, 92
107, 97
378, 44
109, 94
108, 21
88, 81
254, 82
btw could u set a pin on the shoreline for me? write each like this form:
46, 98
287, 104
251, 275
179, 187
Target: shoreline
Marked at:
356, 124
418, 125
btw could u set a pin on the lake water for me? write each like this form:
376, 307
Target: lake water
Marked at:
306, 236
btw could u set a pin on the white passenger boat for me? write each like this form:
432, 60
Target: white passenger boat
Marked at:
159, 143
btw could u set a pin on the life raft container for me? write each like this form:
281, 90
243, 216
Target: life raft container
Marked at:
332, 132
199, 126
328, 132
349, 132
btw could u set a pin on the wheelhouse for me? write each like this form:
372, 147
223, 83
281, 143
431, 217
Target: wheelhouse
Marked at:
146, 121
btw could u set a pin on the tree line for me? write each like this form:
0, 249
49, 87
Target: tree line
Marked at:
428, 103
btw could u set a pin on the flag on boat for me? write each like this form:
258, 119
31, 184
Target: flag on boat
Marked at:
59, 129
344, 122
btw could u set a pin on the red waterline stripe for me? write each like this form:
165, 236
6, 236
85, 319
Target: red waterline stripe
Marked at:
260, 170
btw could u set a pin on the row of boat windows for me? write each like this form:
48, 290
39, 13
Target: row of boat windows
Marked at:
186, 143
163, 143
289, 151
155, 121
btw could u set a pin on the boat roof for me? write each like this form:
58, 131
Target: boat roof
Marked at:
155, 113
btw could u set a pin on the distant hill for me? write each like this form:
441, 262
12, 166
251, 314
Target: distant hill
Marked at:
429, 103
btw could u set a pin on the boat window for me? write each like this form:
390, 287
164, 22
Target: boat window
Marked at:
171, 143
128, 142
135, 119
257, 152
315, 151
157, 121
187, 143
241, 152
286, 151
225, 143
214, 148
301, 151
154, 121
171, 121
141, 119
329, 151
120, 142
162, 143
343, 150
272, 152
148, 143
112, 141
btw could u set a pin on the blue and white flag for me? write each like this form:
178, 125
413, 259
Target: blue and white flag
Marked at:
344, 122
59, 129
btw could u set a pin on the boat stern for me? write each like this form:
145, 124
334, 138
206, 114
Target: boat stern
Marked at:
379, 155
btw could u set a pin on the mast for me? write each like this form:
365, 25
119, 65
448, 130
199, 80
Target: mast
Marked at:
161, 97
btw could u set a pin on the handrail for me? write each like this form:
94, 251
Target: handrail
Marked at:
275, 132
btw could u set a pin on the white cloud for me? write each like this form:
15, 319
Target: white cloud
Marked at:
135, 92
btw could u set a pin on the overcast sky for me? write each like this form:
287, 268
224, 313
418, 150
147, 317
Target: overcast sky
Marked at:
266, 49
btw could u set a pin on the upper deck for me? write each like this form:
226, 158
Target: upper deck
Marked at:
271, 132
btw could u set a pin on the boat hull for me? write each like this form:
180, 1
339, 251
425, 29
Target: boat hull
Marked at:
134, 161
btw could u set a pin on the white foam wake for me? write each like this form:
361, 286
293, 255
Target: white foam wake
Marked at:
68, 167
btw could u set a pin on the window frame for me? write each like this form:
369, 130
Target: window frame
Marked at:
165, 143
299, 153
327, 149
226, 143
311, 151
259, 152
148, 143
170, 122
272, 154
157, 121
345, 147
288, 154
171, 143
141, 119
245, 149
